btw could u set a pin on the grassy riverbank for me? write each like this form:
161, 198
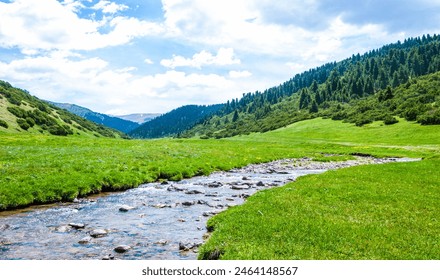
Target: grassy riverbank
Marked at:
39, 169
367, 212
371, 212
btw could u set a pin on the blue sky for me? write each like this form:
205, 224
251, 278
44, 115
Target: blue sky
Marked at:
152, 56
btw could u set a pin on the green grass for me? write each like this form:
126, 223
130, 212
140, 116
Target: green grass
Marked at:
38, 169
369, 212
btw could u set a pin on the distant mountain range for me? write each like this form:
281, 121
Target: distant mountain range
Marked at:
138, 118
176, 121
120, 124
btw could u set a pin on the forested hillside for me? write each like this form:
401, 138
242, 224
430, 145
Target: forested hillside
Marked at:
332, 89
22, 112
109, 121
174, 122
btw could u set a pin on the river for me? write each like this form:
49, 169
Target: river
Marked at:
154, 221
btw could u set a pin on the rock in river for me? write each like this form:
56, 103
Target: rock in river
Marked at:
188, 203
96, 233
85, 240
125, 208
122, 249
240, 187
77, 225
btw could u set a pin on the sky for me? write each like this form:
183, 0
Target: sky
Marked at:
131, 56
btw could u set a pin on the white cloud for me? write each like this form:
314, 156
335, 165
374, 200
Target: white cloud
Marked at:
225, 56
243, 25
108, 7
48, 25
93, 83
239, 74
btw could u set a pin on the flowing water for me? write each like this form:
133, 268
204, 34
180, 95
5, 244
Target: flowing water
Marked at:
156, 221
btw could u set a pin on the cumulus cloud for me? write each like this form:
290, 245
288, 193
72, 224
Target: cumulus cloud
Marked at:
93, 82
225, 56
48, 25
108, 7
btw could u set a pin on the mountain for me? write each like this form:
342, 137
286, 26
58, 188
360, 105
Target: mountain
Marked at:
139, 118
176, 121
352, 85
109, 121
21, 112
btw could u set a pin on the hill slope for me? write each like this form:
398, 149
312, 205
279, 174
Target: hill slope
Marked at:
109, 121
21, 112
328, 88
174, 122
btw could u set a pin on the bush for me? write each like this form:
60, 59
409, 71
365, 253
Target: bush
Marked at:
4, 124
30, 121
389, 120
23, 124
362, 120
18, 112
430, 117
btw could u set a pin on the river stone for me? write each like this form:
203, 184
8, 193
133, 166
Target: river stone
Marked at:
260, 184
108, 257
215, 185
85, 240
188, 203
125, 208
77, 225
4, 227
96, 233
160, 205
240, 187
122, 249
194, 192
162, 242
186, 246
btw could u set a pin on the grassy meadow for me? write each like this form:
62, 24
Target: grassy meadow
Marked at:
367, 212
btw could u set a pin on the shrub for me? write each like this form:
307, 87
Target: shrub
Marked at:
4, 124
23, 124
430, 117
30, 121
18, 112
388, 120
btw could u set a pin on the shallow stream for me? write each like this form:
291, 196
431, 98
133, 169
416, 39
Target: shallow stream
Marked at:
154, 221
